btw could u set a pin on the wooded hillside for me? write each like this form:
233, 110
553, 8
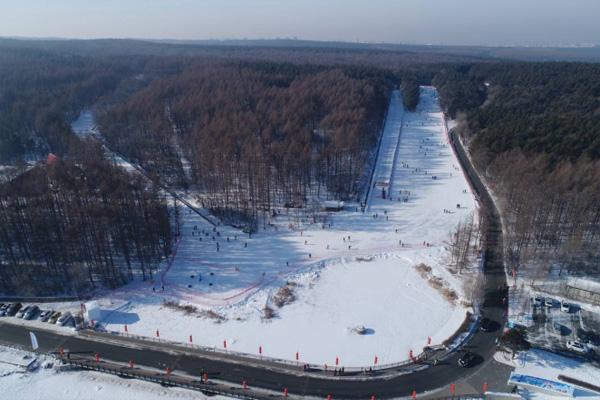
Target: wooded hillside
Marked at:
71, 225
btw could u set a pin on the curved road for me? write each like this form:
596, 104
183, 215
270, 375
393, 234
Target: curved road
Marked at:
275, 376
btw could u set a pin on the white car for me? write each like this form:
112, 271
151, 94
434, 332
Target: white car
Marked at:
66, 317
565, 307
577, 347
22, 311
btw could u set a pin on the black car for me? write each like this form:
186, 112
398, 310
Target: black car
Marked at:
467, 359
486, 325
13, 308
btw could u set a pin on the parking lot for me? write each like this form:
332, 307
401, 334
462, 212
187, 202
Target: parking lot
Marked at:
555, 327
41, 314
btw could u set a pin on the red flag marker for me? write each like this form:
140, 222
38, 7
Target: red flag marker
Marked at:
373, 397
428, 340
485, 387
157, 334
97, 357
125, 328
297, 356
131, 364
244, 385
375, 361
61, 351
414, 394
259, 349
205, 377
224, 344
329, 397
168, 371
337, 361
285, 392
191, 339
452, 388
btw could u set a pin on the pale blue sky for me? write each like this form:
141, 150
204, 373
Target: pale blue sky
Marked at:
487, 22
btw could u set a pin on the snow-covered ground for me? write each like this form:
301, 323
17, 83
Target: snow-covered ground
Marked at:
353, 270
50, 382
85, 125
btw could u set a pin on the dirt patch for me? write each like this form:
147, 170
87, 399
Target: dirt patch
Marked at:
268, 313
187, 309
436, 282
285, 295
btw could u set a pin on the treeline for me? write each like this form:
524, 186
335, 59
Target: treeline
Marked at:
40, 92
72, 225
539, 108
534, 129
255, 135
551, 210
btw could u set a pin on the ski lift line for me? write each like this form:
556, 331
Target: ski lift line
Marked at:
396, 152
379, 140
162, 186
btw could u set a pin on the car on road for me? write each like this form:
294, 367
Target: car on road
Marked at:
549, 302
467, 359
55, 316
13, 308
577, 347
22, 312
31, 313
64, 319
486, 325
45, 315
565, 307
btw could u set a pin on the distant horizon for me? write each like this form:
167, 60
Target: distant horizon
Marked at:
298, 39
491, 23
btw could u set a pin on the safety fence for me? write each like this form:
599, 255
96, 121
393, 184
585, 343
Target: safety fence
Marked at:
416, 362
161, 379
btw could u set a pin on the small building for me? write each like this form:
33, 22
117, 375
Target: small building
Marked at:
333, 205
92, 311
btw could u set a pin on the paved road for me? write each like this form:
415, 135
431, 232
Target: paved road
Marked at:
274, 376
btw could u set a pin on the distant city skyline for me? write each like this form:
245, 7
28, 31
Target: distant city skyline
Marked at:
444, 22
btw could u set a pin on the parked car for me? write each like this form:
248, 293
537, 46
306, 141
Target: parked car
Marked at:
538, 300
565, 307
31, 313
13, 308
63, 319
45, 315
4, 309
467, 359
22, 312
557, 328
577, 347
55, 316
549, 302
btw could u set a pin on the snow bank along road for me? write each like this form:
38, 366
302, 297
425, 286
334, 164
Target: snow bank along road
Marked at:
274, 376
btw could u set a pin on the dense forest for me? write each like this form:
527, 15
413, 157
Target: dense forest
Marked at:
256, 135
68, 226
250, 129
534, 130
